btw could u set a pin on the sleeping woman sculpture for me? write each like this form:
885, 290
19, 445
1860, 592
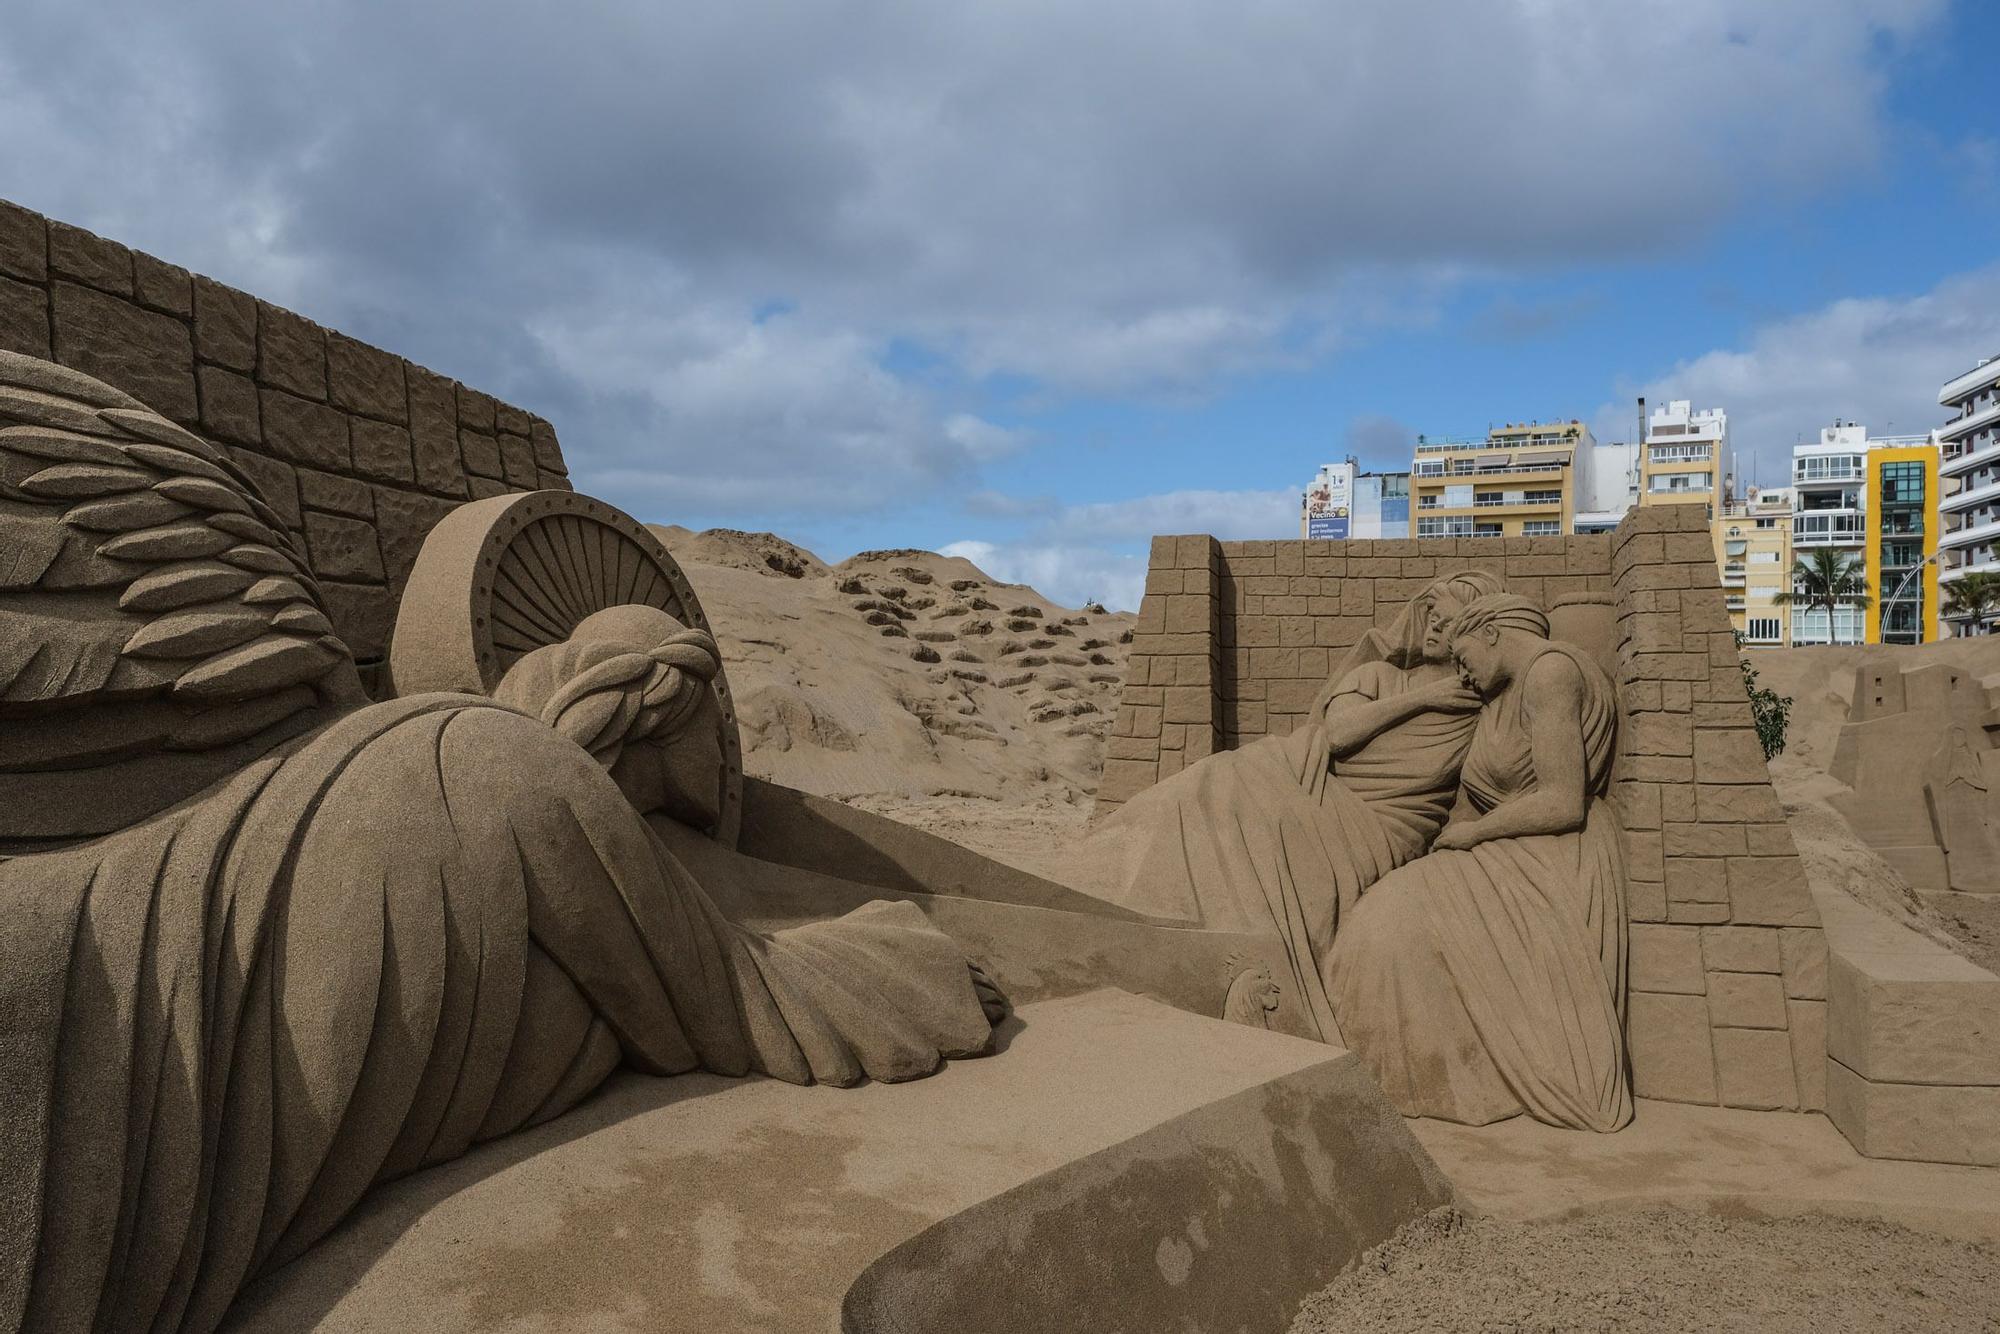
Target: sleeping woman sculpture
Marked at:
264, 945
1283, 836
1487, 978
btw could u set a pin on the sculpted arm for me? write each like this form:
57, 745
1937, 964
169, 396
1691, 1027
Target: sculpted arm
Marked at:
1552, 711
1355, 718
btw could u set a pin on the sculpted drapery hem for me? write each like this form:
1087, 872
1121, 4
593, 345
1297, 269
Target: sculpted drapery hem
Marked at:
436, 922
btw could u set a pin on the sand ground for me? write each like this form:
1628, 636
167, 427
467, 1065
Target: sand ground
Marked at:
1005, 765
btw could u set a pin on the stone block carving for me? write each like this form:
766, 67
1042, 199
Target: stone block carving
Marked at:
282, 393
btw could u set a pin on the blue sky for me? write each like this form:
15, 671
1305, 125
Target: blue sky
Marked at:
1034, 281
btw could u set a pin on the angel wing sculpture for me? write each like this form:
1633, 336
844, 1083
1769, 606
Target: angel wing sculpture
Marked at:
266, 944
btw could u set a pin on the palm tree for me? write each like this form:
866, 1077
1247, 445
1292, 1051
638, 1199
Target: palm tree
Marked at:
1976, 595
1826, 578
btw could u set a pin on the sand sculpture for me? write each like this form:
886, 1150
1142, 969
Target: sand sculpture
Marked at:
1284, 835
268, 944
1919, 751
1436, 855
1487, 978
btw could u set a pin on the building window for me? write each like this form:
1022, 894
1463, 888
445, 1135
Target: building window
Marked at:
1541, 528
1762, 630
1902, 483
1680, 453
1681, 481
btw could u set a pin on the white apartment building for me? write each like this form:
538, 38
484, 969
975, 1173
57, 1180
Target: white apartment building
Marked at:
1829, 509
1970, 473
1607, 485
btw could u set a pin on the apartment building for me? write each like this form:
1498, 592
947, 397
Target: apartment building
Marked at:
1342, 502
1753, 550
1682, 460
1876, 500
1516, 481
1970, 470
1830, 492
1607, 485
1901, 525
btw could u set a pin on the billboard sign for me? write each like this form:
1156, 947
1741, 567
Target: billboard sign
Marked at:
1330, 502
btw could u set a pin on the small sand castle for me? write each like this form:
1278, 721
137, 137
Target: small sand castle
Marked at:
1921, 751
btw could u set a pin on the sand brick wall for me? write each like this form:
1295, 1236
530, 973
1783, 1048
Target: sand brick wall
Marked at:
359, 450
1726, 996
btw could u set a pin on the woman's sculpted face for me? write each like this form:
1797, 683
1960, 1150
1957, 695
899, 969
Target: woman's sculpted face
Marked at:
680, 777
1439, 616
1481, 661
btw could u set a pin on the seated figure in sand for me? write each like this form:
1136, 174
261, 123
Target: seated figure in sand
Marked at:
386, 933
1283, 836
1487, 978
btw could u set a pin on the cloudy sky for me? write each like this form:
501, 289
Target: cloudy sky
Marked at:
1035, 279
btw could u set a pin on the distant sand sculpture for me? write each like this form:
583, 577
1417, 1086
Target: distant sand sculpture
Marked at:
268, 944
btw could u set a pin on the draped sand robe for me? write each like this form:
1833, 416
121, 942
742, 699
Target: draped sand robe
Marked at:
433, 923
1264, 839
1485, 982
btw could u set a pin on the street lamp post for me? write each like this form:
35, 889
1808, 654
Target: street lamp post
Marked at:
1904, 583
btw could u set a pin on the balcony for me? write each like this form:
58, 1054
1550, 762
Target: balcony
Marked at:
1986, 416
1952, 467
1966, 500
1971, 535
1827, 528
1971, 382
1733, 578
1990, 564
1830, 477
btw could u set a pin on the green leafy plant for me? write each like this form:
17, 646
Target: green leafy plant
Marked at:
1770, 711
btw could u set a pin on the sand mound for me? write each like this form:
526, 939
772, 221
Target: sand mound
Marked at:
766, 553
1661, 1269
893, 675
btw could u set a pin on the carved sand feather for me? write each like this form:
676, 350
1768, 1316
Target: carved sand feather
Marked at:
146, 542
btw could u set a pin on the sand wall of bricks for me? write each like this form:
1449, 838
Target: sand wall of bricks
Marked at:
359, 450
1727, 974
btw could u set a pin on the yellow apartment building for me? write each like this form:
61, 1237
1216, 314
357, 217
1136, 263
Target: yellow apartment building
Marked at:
1901, 540
1516, 481
1753, 550
1682, 462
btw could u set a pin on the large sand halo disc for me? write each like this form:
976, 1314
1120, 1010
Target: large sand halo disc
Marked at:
501, 577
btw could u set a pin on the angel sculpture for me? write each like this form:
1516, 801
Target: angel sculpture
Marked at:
266, 944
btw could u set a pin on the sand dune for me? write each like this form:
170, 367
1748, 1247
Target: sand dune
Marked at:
904, 676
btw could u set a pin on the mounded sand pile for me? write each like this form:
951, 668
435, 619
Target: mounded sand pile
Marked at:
898, 678
1662, 1270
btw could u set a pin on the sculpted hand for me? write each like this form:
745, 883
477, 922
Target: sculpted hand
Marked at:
1449, 696
1454, 838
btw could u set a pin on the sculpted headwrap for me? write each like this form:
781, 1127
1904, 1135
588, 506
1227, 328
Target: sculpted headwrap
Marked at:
604, 695
1406, 633
1507, 611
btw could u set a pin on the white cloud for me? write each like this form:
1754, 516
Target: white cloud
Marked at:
589, 209
1098, 551
1069, 574
1875, 360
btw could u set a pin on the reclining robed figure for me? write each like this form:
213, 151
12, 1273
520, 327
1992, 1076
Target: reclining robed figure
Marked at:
266, 944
